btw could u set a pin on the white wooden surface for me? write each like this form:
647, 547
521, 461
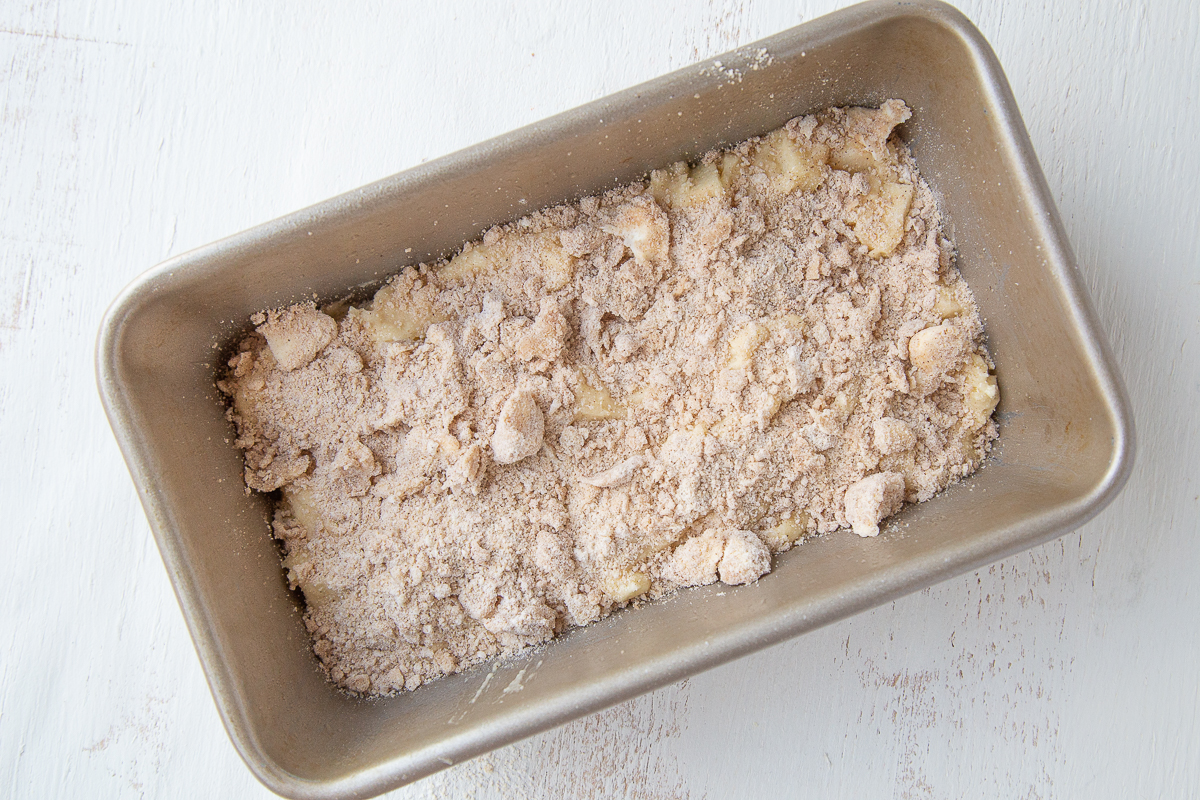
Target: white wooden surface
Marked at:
133, 131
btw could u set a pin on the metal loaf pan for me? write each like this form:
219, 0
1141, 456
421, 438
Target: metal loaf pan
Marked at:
1066, 446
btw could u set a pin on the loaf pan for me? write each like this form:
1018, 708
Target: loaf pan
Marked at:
1066, 434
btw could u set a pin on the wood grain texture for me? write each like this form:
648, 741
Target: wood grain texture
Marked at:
134, 131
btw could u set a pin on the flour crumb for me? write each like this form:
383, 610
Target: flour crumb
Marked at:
873, 499
518, 430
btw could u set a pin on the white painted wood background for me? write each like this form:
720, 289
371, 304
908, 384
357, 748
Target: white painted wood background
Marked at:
132, 131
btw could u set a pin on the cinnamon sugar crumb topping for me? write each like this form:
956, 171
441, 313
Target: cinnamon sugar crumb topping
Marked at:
602, 402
